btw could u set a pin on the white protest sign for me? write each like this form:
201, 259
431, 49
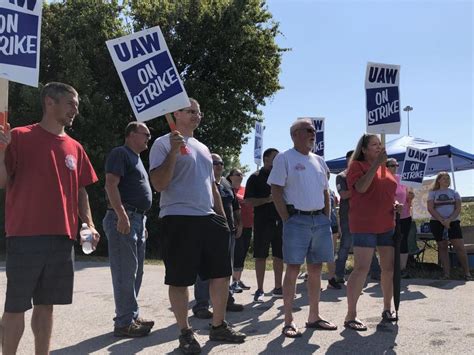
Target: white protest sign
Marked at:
258, 145
382, 98
148, 74
20, 34
414, 167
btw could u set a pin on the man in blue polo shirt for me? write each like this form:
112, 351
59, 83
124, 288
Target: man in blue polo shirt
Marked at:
129, 196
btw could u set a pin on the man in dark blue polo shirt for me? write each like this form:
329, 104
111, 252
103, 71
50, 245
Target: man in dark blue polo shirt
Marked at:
129, 196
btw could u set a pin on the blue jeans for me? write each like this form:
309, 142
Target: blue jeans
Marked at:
126, 256
345, 245
201, 288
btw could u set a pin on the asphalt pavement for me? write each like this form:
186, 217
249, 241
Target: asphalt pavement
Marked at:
436, 317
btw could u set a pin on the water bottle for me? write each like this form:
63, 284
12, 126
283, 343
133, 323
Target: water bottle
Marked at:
86, 237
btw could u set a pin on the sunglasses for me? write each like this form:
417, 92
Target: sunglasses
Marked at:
392, 165
308, 130
215, 162
238, 174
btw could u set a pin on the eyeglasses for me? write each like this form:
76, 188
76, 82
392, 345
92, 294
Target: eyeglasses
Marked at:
215, 162
148, 135
194, 112
308, 130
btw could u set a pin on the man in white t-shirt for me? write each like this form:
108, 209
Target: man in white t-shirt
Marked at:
300, 193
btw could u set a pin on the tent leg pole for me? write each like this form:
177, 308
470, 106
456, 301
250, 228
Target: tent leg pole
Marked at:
452, 170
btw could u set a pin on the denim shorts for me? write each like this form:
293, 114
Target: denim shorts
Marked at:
307, 237
372, 240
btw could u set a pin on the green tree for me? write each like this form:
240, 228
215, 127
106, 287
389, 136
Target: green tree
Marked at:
226, 54
224, 50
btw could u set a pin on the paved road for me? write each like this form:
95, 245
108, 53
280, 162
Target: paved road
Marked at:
436, 317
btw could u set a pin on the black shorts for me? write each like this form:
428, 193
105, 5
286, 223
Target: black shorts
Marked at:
195, 245
266, 233
335, 229
39, 268
454, 230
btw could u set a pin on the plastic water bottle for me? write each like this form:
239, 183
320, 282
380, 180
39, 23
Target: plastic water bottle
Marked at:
86, 237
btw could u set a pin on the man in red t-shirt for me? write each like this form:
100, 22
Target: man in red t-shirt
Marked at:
45, 173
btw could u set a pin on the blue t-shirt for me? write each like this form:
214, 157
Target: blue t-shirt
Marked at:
134, 185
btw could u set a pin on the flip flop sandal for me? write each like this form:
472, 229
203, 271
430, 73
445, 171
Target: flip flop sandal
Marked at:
321, 324
355, 325
295, 331
389, 316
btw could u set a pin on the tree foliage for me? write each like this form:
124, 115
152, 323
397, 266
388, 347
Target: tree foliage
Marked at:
225, 51
227, 56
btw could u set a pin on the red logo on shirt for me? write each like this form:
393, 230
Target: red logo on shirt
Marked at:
300, 167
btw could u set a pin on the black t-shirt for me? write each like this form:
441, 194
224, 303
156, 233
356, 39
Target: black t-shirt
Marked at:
257, 187
341, 184
229, 201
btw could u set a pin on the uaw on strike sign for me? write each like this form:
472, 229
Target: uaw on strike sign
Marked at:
382, 98
414, 167
20, 33
148, 74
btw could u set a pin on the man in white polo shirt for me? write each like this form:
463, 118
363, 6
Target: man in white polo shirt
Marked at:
300, 193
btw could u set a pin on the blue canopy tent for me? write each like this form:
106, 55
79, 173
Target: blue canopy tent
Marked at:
442, 157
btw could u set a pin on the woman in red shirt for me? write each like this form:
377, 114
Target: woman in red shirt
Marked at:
371, 222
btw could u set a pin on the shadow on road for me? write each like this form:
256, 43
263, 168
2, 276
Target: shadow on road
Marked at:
380, 342
126, 346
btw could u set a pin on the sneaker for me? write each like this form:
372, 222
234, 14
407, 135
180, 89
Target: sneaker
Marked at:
243, 286
340, 280
234, 307
145, 322
303, 276
188, 343
133, 330
203, 313
258, 296
332, 283
235, 287
277, 292
226, 333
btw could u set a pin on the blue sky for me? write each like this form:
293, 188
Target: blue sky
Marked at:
323, 74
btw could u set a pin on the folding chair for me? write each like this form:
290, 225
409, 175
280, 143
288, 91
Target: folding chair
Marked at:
414, 250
